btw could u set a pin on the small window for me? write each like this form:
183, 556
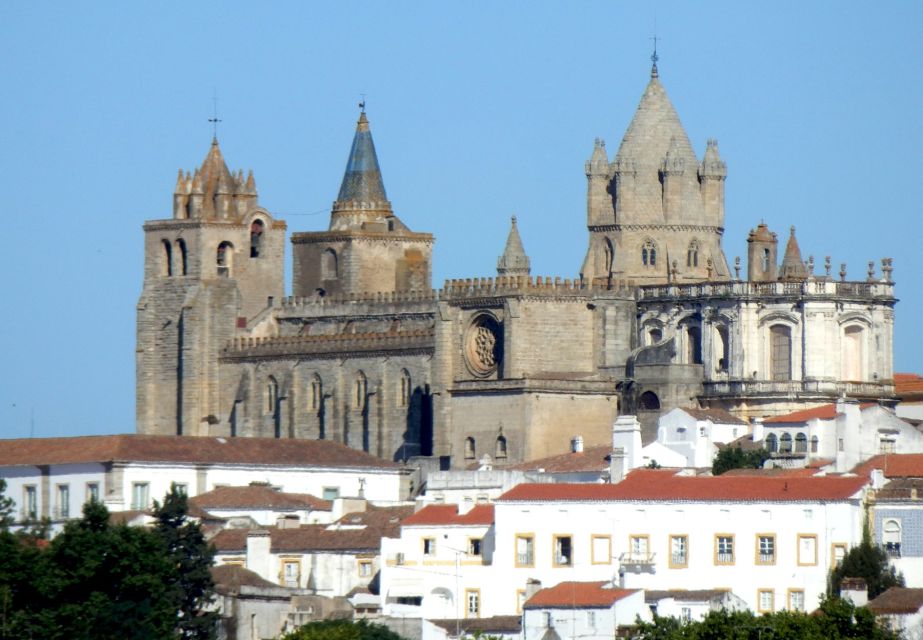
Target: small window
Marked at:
429, 546
474, 546
328, 265
181, 247
167, 264
807, 549
686, 614
886, 445
563, 551
181, 488
500, 449
365, 568
92, 494
331, 493
30, 499
692, 254
837, 553
361, 391
291, 573
785, 443
649, 254
764, 263
640, 548
772, 443
766, 601
649, 401
724, 549
679, 552
472, 603
766, 548
796, 600
405, 389
64, 500
801, 443
654, 336
591, 620
891, 537
601, 549
140, 495
525, 551
815, 442
272, 396
224, 258
470, 450
256, 237
315, 393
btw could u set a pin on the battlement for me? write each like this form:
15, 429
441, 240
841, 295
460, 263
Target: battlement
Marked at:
377, 298
527, 285
336, 344
820, 288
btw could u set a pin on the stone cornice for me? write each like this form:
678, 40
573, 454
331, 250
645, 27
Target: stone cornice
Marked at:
701, 228
316, 237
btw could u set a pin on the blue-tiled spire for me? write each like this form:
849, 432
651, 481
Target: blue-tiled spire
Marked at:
362, 184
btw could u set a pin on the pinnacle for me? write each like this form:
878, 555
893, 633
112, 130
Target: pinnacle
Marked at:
514, 260
792, 265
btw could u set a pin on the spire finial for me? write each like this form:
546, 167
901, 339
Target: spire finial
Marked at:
654, 56
214, 119
361, 103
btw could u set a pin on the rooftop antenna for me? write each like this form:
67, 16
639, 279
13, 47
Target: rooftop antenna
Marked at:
214, 119
362, 103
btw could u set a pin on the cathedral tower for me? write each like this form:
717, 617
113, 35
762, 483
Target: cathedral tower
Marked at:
655, 213
208, 271
366, 248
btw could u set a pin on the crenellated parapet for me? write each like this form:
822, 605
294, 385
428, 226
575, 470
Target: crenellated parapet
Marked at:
528, 285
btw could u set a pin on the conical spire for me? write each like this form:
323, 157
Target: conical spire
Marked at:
792, 266
514, 261
363, 188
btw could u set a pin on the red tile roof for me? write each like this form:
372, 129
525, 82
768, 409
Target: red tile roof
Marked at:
257, 497
897, 600
716, 415
823, 412
589, 460
650, 484
908, 384
229, 579
447, 514
578, 595
185, 449
895, 465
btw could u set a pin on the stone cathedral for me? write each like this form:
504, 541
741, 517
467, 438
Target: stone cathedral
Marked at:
365, 352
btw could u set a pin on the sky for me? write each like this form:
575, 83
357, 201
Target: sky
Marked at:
479, 110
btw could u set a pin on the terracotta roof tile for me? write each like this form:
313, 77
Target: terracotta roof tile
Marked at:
894, 465
901, 489
471, 626
898, 600
718, 416
257, 496
823, 412
908, 384
650, 484
360, 531
589, 460
185, 449
575, 595
447, 514
684, 595
229, 578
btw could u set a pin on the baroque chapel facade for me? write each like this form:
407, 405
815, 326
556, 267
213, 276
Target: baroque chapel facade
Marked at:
365, 352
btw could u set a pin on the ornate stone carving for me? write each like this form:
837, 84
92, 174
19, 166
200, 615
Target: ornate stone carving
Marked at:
483, 346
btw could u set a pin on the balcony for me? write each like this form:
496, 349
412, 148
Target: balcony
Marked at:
893, 549
791, 388
638, 562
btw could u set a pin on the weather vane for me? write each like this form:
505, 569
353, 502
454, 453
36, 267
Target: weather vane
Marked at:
362, 103
654, 56
214, 119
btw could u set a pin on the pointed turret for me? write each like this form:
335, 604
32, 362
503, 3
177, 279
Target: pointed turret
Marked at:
599, 202
362, 195
792, 269
514, 261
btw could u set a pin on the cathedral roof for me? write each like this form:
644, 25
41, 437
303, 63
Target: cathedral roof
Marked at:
655, 130
792, 266
514, 260
362, 182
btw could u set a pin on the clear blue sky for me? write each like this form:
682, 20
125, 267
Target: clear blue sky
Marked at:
479, 110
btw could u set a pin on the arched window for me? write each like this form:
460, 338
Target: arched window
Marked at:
815, 441
470, 450
256, 237
181, 247
315, 393
722, 344
801, 443
500, 449
649, 253
692, 254
693, 344
772, 443
361, 389
328, 264
853, 337
225, 258
272, 396
765, 261
654, 335
649, 401
405, 389
780, 352
609, 256
785, 443
891, 537
167, 268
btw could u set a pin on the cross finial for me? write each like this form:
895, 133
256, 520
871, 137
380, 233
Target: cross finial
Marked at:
214, 119
654, 56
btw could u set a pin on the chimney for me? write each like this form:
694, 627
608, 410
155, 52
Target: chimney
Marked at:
617, 463
259, 559
576, 444
626, 435
759, 431
533, 586
877, 478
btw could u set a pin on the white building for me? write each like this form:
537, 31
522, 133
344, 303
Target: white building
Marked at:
694, 434
439, 567
691, 604
772, 540
591, 610
262, 505
902, 610
328, 560
54, 477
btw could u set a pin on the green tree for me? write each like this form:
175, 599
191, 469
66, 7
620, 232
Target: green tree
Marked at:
736, 458
342, 630
6, 508
191, 586
869, 562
